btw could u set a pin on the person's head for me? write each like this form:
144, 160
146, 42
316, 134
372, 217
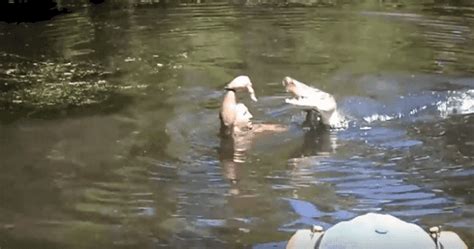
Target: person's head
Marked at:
242, 118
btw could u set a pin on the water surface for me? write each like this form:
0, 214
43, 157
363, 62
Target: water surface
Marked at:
108, 133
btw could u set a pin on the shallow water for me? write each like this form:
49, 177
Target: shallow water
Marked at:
109, 123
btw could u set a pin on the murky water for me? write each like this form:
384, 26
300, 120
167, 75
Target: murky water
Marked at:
109, 123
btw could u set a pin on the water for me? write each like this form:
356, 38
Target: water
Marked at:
109, 123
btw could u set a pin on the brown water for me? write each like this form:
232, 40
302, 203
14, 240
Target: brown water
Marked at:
108, 136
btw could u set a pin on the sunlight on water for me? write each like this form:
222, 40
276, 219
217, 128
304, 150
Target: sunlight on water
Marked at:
109, 123
459, 103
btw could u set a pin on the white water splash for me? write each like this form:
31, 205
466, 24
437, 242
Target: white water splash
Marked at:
381, 117
457, 103
338, 121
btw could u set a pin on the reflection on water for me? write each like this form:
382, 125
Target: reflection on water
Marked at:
109, 133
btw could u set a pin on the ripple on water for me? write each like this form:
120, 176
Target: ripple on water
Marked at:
374, 189
408, 151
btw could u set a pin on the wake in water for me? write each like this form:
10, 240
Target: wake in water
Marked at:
404, 97
457, 102
426, 105
355, 112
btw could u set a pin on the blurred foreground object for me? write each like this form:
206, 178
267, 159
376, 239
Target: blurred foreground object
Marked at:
372, 231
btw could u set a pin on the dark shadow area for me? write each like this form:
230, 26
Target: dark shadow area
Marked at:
29, 10
316, 142
317, 139
18, 243
97, 1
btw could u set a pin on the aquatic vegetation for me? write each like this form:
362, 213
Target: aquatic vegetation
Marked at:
50, 85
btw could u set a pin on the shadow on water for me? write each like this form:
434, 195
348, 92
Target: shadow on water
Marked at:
29, 11
319, 141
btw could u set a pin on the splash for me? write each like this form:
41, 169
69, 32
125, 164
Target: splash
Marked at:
457, 103
381, 117
338, 121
